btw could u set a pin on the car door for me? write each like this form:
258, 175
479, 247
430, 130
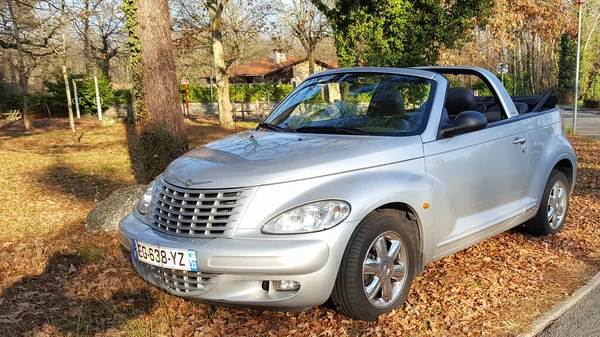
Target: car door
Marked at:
478, 181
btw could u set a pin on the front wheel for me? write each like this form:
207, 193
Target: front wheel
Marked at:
552, 214
378, 266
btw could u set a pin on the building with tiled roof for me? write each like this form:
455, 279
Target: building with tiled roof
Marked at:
287, 70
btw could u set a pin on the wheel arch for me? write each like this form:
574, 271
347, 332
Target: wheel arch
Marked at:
413, 215
565, 165
538, 177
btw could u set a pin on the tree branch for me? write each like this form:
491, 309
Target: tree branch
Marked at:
6, 45
15, 45
322, 7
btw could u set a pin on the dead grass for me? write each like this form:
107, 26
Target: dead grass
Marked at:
57, 280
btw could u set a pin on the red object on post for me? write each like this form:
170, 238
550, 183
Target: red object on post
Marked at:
580, 2
187, 103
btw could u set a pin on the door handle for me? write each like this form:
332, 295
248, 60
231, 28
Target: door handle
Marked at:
520, 140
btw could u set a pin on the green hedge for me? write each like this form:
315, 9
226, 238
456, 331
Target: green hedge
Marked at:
15, 101
196, 94
238, 92
591, 103
86, 92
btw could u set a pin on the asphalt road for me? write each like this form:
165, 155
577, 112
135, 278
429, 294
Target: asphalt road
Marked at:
582, 320
588, 121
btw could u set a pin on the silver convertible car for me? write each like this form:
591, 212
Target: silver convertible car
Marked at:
354, 183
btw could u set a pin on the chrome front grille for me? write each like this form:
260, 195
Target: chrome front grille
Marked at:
197, 213
180, 281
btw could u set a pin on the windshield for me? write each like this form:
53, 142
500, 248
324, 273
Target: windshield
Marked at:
356, 103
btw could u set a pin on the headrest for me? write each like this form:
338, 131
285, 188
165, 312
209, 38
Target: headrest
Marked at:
522, 108
386, 102
459, 100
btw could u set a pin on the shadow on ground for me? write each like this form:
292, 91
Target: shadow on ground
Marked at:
50, 302
15, 129
67, 180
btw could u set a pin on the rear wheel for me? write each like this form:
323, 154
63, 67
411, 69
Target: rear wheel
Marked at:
378, 266
552, 214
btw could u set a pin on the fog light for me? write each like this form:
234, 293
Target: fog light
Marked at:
286, 285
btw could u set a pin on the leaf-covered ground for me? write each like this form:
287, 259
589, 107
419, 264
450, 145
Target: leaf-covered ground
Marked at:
55, 279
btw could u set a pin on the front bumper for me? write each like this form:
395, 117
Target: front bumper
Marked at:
241, 271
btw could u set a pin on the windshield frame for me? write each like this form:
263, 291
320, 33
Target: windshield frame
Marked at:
427, 77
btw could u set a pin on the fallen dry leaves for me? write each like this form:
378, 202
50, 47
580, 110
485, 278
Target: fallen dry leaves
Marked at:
55, 279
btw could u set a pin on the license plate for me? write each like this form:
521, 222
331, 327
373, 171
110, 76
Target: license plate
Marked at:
165, 257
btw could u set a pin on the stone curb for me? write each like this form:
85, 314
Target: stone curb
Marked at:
543, 322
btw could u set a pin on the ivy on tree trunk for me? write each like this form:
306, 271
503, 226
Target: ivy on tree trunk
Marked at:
160, 134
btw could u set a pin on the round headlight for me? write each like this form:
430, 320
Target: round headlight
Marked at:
143, 205
312, 217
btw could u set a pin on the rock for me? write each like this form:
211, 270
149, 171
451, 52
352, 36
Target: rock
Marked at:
106, 215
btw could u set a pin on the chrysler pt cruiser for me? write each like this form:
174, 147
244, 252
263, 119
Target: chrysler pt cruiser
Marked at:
355, 182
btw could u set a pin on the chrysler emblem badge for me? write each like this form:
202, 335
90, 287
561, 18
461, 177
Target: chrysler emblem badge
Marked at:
191, 182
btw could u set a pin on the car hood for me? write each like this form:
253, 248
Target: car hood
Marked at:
255, 158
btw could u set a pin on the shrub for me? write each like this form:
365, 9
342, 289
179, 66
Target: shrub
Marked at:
15, 101
198, 94
238, 92
564, 96
86, 92
122, 97
591, 103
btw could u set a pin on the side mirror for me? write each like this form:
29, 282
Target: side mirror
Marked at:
466, 121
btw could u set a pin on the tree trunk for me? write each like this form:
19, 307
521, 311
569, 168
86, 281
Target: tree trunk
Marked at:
591, 33
514, 73
105, 67
25, 91
104, 61
311, 62
68, 89
162, 136
64, 68
532, 66
23, 73
215, 11
521, 70
86, 38
159, 79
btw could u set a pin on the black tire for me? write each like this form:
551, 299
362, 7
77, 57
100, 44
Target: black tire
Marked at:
348, 294
541, 224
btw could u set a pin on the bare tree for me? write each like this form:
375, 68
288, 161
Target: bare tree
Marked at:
230, 30
191, 36
86, 35
23, 32
243, 23
307, 24
63, 24
100, 26
215, 11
